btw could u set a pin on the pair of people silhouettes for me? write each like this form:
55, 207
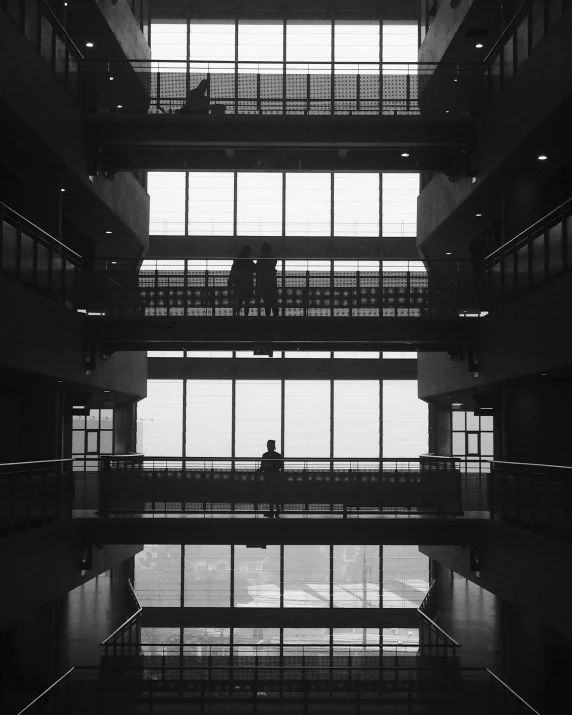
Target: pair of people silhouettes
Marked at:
272, 462
241, 280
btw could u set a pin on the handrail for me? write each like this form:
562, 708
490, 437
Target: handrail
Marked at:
164, 458
262, 646
507, 31
523, 235
233, 62
122, 626
528, 464
422, 604
511, 691
46, 691
45, 8
51, 239
39, 461
441, 456
434, 625
131, 587
120, 456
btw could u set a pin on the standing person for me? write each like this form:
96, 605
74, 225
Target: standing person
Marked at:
241, 281
266, 271
272, 462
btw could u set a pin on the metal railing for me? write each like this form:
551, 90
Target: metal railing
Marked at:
126, 640
203, 484
34, 258
538, 254
54, 700
43, 30
520, 38
34, 494
505, 700
297, 288
283, 87
534, 496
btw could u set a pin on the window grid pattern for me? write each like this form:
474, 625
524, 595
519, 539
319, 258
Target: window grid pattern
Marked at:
282, 204
289, 576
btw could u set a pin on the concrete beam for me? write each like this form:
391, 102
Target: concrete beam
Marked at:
320, 530
283, 333
245, 617
280, 369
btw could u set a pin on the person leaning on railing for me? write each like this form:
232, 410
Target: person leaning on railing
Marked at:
272, 462
198, 103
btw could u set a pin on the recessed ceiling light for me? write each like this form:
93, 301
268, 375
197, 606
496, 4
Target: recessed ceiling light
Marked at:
89, 44
106, 390
111, 79
62, 189
109, 232
448, 253
455, 80
119, 106
447, 111
478, 215
542, 157
404, 154
479, 46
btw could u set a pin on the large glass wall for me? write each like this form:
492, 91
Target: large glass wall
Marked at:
266, 203
290, 576
306, 418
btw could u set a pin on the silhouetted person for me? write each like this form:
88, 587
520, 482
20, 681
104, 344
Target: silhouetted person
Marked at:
198, 103
272, 462
266, 269
241, 281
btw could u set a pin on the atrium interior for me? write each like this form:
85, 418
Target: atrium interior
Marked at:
285, 367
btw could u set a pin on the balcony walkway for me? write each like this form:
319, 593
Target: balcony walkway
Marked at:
154, 142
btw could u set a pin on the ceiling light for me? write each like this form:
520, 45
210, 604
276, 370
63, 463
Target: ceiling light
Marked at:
109, 232
456, 405
89, 44
478, 215
455, 80
113, 263
448, 253
542, 157
405, 154
111, 78
106, 390
62, 189
119, 106
479, 46
447, 111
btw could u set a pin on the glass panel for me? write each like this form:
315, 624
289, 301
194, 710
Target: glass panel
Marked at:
211, 203
211, 41
57, 276
209, 418
167, 210
26, 258
399, 204
308, 204
78, 441
307, 42
9, 248
92, 443
169, 41
473, 444
257, 576
399, 42
487, 444
73, 75
42, 266
46, 39
473, 423
507, 59
307, 418
356, 419
522, 41
165, 353
207, 641
356, 576
405, 421
105, 442
399, 356
487, 423
458, 420
459, 446
157, 577
60, 58
259, 204
207, 576
260, 42
160, 419
247, 637
306, 576
357, 42
522, 276
356, 204
555, 258
405, 577
257, 416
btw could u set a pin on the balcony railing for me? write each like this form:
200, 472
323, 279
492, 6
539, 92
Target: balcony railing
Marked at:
533, 496
34, 258
284, 88
49, 38
538, 254
34, 494
304, 288
520, 38
197, 485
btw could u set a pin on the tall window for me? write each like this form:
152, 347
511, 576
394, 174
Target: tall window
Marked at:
404, 420
160, 419
209, 418
211, 203
167, 212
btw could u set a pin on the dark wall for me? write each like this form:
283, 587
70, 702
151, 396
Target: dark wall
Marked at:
439, 429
